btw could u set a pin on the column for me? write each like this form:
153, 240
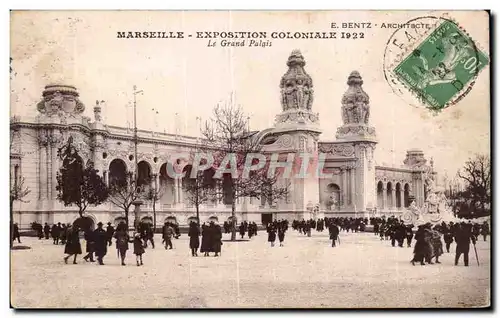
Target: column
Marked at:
176, 192
220, 193
353, 186
344, 187
384, 196
393, 194
181, 193
105, 177
402, 197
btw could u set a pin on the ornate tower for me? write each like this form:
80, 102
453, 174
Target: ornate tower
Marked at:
296, 131
60, 105
297, 96
356, 129
355, 112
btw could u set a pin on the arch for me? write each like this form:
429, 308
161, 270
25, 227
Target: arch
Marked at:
390, 204
117, 173
380, 195
118, 220
188, 183
192, 219
144, 175
171, 219
85, 223
167, 186
398, 195
406, 195
213, 218
147, 219
333, 201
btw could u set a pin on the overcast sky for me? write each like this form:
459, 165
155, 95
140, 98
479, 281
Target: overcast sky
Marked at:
186, 77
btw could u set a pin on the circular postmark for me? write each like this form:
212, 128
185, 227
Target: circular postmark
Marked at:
433, 66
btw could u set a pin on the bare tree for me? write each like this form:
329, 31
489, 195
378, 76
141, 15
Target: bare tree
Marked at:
227, 131
477, 175
123, 194
153, 195
199, 191
18, 191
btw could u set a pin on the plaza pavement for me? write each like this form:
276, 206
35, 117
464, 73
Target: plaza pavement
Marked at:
307, 272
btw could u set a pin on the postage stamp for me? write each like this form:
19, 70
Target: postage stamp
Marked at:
442, 67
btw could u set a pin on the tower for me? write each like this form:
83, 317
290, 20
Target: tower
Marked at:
296, 131
357, 130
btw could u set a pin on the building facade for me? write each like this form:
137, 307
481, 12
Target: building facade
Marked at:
355, 185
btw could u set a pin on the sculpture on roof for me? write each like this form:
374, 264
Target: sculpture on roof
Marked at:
296, 85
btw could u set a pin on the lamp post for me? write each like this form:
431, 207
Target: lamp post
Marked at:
137, 203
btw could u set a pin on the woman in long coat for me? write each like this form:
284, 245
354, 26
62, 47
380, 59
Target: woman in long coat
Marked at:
72, 246
216, 238
122, 240
205, 240
420, 246
271, 236
194, 238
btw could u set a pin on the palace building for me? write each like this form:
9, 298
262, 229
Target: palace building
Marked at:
357, 186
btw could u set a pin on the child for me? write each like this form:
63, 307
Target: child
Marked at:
138, 248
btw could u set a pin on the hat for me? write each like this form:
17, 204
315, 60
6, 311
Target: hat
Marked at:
137, 235
99, 224
109, 223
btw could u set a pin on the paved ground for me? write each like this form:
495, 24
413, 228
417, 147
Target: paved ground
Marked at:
307, 272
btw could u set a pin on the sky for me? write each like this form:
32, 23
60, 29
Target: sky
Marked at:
182, 79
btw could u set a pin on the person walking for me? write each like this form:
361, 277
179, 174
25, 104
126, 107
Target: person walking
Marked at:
109, 233
281, 235
334, 233
100, 243
15, 233
122, 240
168, 232
463, 238
138, 249
271, 234
89, 239
72, 246
216, 238
194, 238
46, 230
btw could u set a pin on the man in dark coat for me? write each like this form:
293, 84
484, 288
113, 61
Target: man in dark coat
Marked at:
463, 238
15, 233
109, 233
334, 233
101, 243
46, 231
89, 238
409, 234
400, 233
242, 229
168, 232
122, 240
194, 238
55, 231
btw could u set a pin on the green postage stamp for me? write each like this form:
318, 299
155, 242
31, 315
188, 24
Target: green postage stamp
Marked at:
442, 69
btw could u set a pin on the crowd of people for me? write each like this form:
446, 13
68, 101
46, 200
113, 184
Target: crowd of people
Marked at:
428, 239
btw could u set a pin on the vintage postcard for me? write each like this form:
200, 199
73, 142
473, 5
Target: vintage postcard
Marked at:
250, 159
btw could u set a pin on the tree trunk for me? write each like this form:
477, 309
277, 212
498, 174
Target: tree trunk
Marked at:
233, 221
198, 213
126, 218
